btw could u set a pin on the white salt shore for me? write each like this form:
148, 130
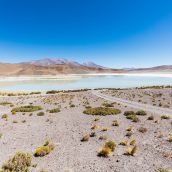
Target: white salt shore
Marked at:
78, 76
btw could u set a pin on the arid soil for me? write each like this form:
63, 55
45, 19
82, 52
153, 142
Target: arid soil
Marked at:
26, 131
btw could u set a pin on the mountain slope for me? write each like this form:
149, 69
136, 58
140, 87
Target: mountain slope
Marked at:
30, 69
156, 69
57, 66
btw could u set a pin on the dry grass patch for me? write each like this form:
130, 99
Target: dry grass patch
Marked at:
124, 143
133, 142
131, 151
85, 138
45, 149
107, 149
95, 126
169, 138
115, 123
130, 128
143, 130
19, 163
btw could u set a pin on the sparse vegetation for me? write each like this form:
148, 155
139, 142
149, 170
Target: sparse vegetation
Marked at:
102, 111
142, 130
85, 138
107, 149
95, 126
5, 103
133, 142
151, 117
169, 138
72, 105
19, 163
105, 152
35, 93
115, 123
55, 110
40, 114
124, 142
131, 151
107, 104
45, 149
165, 117
141, 113
129, 113
4, 116
26, 109
110, 144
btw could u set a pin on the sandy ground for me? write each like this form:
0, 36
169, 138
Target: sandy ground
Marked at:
66, 128
137, 105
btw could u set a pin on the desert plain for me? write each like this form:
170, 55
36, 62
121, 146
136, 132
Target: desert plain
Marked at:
77, 135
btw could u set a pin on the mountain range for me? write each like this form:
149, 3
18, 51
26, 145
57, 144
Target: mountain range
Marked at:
56, 66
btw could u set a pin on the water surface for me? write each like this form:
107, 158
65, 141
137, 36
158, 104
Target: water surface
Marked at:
107, 81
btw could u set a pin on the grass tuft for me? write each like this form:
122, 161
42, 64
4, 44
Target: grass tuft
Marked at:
19, 163
44, 150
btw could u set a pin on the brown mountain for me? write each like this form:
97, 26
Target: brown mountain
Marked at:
156, 69
57, 66
7, 69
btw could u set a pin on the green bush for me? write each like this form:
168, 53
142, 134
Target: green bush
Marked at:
5, 103
141, 113
131, 115
40, 114
26, 109
107, 104
165, 117
52, 92
128, 113
35, 93
151, 117
55, 110
72, 105
101, 111
19, 163
4, 116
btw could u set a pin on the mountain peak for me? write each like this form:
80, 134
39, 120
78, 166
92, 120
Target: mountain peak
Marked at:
51, 61
61, 61
92, 64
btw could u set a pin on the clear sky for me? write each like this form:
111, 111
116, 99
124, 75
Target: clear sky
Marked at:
114, 33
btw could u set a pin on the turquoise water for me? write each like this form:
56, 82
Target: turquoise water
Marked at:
84, 82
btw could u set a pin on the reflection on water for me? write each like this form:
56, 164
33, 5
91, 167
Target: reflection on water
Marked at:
83, 82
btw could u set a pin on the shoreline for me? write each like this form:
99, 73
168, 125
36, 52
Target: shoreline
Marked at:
78, 76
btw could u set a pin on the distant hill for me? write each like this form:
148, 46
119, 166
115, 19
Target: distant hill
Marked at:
52, 67
156, 69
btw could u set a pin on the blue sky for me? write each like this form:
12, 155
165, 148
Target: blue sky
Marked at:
114, 33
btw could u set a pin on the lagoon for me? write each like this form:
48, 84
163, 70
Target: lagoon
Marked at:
67, 82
